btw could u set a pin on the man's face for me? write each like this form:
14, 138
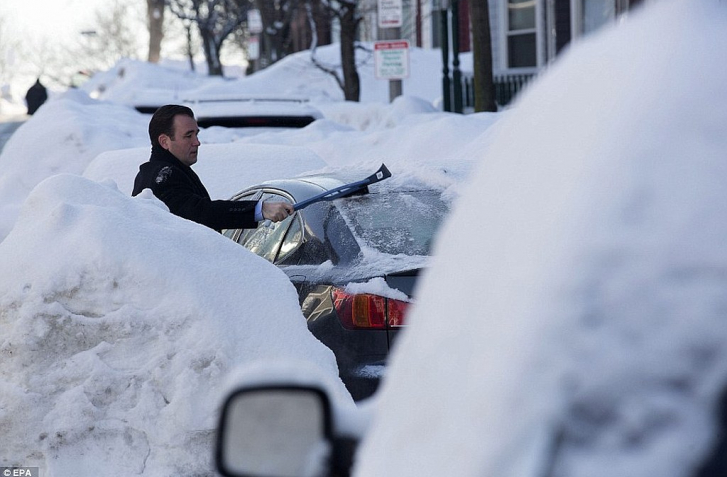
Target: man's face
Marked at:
184, 142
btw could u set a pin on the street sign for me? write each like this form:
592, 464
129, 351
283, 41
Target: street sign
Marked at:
254, 22
390, 13
391, 59
253, 48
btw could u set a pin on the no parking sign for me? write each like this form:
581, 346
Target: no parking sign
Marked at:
391, 59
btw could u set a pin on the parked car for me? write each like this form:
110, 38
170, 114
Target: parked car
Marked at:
241, 111
253, 111
354, 261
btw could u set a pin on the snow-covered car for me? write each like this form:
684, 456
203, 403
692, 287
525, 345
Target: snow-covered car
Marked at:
573, 321
253, 111
355, 262
239, 111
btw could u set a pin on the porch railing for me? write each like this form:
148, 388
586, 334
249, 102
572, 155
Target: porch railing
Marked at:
506, 88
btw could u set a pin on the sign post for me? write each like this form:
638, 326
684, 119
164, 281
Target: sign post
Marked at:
391, 55
254, 21
255, 27
253, 48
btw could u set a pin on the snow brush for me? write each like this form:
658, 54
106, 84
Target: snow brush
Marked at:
358, 187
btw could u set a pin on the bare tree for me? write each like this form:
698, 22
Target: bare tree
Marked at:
181, 37
286, 29
155, 15
349, 17
111, 37
484, 87
215, 20
276, 17
190, 46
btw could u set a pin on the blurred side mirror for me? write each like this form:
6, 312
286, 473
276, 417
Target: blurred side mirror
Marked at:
275, 431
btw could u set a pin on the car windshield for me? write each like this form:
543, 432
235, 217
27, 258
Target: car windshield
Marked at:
396, 222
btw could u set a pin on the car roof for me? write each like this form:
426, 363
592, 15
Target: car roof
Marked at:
306, 186
300, 188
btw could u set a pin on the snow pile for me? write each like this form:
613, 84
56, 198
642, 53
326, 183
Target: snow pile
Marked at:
321, 87
576, 326
139, 83
416, 143
120, 322
65, 135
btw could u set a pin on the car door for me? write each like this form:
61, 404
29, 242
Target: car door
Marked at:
268, 240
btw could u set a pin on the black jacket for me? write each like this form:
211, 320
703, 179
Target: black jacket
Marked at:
182, 191
36, 96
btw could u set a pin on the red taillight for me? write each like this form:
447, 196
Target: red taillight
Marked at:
397, 312
366, 311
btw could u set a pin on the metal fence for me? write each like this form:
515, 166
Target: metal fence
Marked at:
506, 88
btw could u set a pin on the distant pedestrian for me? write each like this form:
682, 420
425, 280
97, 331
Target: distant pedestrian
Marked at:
168, 173
36, 96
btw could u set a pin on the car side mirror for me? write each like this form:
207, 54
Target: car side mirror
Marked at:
275, 431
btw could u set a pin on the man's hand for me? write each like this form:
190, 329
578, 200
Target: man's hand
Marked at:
277, 211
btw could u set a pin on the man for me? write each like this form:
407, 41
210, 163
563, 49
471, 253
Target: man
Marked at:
35, 97
174, 146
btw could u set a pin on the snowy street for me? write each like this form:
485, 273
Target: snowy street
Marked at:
570, 321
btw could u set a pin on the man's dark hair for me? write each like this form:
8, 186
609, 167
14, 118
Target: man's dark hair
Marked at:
162, 122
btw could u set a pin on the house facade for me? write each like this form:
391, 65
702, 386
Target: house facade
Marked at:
526, 34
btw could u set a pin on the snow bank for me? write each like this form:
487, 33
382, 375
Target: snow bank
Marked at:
65, 135
284, 77
139, 83
120, 322
416, 142
576, 327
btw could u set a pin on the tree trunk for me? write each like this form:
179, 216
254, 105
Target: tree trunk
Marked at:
484, 87
190, 49
155, 15
211, 53
351, 80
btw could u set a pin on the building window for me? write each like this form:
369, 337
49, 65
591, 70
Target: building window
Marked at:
521, 34
597, 13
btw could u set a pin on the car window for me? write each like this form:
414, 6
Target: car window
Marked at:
266, 239
325, 237
396, 223
339, 241
229, 233
292, 240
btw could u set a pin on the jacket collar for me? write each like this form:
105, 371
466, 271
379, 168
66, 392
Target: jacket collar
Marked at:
158, 153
